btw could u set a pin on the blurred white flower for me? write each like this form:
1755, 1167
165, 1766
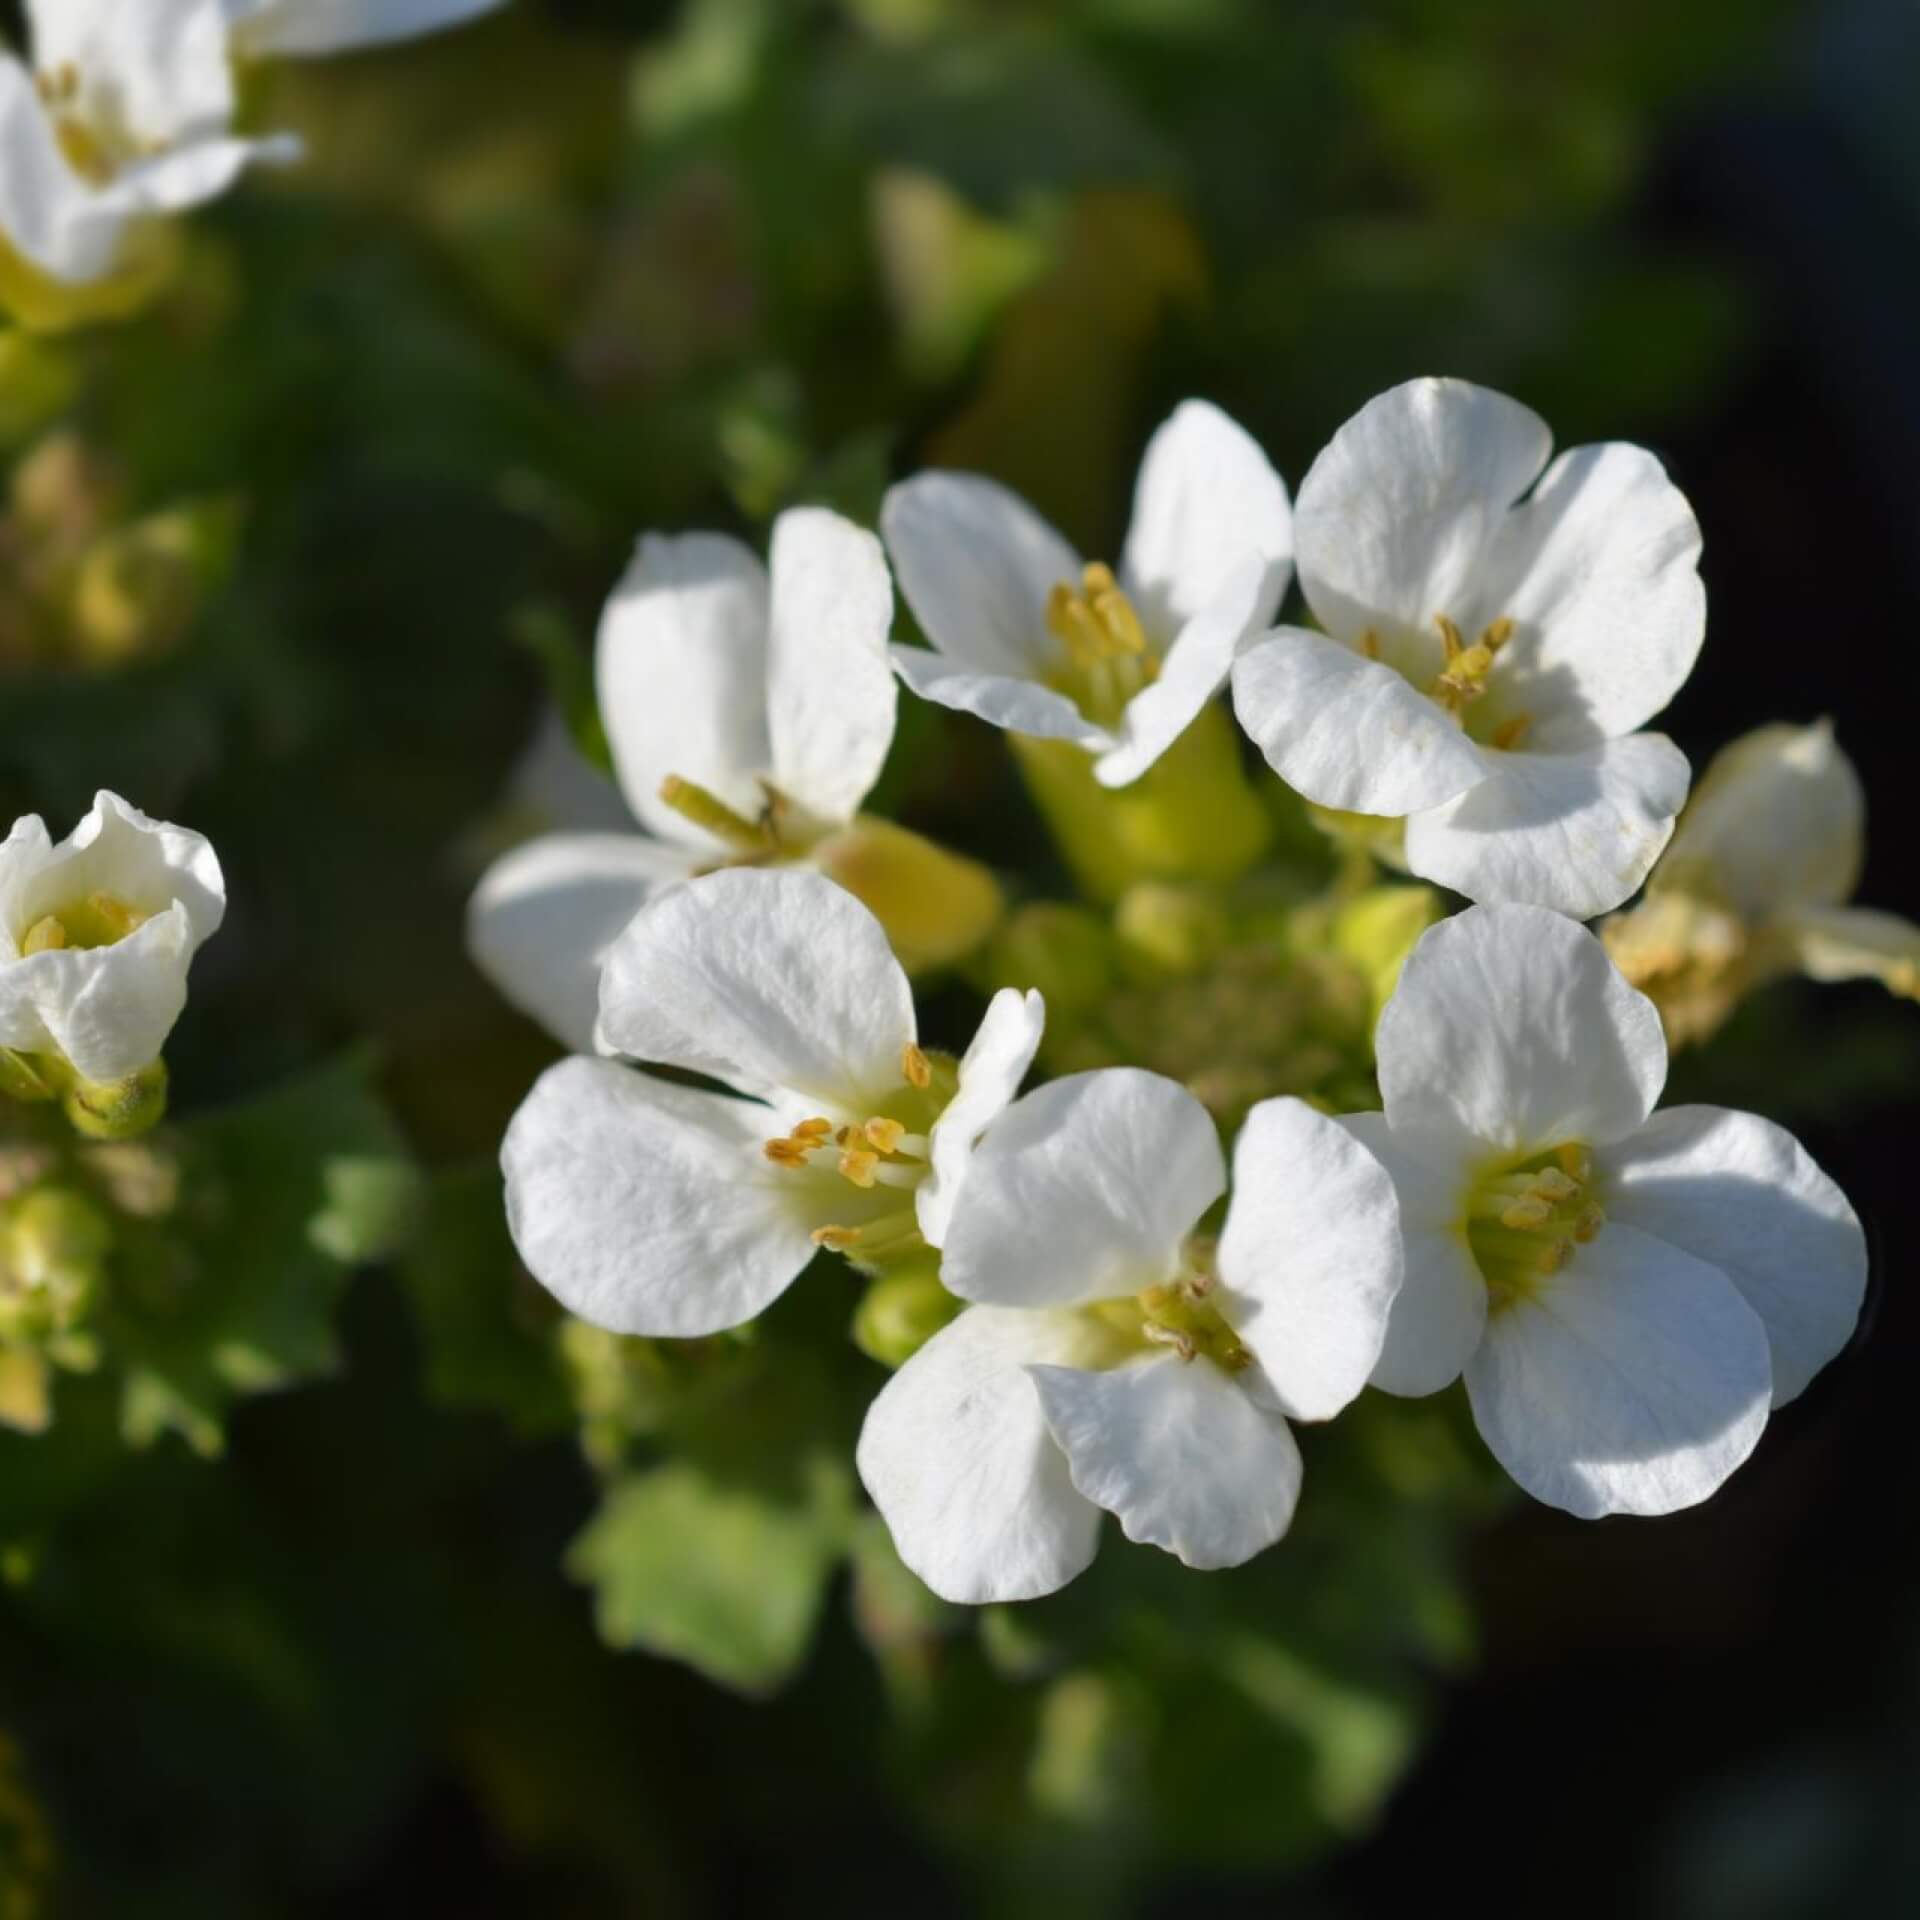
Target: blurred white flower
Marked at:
1117, 1362
1627, 1292
1030, 638
97, 934
646, 1206
1496, 631
1755, 885
126, 112
748, 717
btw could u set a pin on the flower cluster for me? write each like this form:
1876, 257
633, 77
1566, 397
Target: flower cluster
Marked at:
1112, 1324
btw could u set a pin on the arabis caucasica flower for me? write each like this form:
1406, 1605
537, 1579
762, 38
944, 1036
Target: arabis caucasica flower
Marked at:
97, 934
1497, 629
1755, 885
749, 712
1118, 1360
1032, 638
1627, 1292
650, 1207
126, 114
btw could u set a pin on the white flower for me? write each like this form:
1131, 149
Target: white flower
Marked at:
1117, 1361
126, 113
1029, 638
649, 1207
1496, 631
1755, 885
764, 706
1627, 1292
97, 934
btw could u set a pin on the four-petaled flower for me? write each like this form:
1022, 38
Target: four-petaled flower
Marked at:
1627, 1292
127, 113
748, 716
646, 1206
1496, 631
97, 934
1030, 638
1755, 885
1119, 1362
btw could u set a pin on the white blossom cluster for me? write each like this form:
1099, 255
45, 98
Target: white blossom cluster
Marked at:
1626, 1292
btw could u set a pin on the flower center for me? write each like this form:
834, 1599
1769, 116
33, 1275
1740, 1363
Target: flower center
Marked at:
1464, 673
1181, 1314
99, 920
1525, 1219
780, 831
94, 149
1108, 657
875, 1163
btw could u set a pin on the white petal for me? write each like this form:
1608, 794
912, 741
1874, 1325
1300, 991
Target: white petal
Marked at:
990, 1075
1440, 1313
37, 188
1577, 832
1002, 700
544, 914
976, 564
1179, 1452
1206, 504
292, 28
681, 663
1599, 570
830, 686
108, 1009
1349, 732
771, 978
1511, 1027
153, 71
1635, 1382
1778, 820
957, 1456
1744, 1196
646, 1207
1394, 517
1193, 672
1310, 1258
1854, 943
1084, 1190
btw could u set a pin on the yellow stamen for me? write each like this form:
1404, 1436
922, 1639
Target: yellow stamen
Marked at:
857, 1165
709, 811
44, 936
1370, 644
884, 1135
915, 1066
836, 1239
1496, 634
1449, 636
814, 1129
788, 1153
1510, 732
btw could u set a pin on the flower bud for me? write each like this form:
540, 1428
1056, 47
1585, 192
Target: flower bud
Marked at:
28, 1076
138, 590
1066, 952
119, 1109
1165, 931
902, 1310
54, 1243
1377, 929
936, 906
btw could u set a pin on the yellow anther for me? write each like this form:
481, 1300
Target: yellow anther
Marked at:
1496, 634
1510, 732
1097, 577
884, 1135
1587, 1227
48, 935
1119, 621
816, 1129
1555, 1183
1576, 1160
915, 1066
708, 811
788, 1153
1370, 644
857, 1165
1449, 636
836, 1239
1164, 1336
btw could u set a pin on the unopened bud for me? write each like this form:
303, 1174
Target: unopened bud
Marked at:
1377, 929
119, 1109
1066, 952
54, 1243
1165, 931
902, 1310
936, 906
139, 589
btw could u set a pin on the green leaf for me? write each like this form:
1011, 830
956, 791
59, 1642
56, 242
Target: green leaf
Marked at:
233, 1293
727, 1578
